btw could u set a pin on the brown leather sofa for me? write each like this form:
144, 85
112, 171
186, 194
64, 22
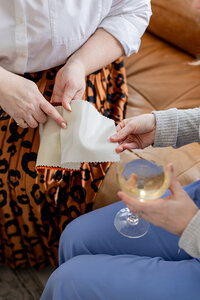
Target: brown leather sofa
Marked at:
164, 74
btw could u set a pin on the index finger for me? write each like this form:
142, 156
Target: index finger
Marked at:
147, 207
134, 203
121, 134
51, 111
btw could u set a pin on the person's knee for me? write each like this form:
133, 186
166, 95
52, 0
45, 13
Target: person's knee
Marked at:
67, 240
59, 283
69, 281
69, 233
71, 239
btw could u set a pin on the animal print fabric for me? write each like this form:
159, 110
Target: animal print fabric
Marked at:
35, 208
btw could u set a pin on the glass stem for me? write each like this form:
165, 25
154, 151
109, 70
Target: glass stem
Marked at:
132, 219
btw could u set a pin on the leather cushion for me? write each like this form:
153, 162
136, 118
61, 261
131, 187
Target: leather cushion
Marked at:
161, 77
177, 22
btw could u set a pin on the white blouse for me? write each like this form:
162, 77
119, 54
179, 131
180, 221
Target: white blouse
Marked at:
39, 34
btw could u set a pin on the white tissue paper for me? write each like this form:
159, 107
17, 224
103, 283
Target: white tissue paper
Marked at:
86, 139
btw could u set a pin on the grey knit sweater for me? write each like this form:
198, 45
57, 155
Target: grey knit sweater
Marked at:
177, 128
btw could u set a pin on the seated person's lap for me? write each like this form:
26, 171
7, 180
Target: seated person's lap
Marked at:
95, 232
99, 263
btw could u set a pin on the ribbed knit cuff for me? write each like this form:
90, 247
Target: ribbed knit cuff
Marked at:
166, 128
177, 127
188, 126
190, 239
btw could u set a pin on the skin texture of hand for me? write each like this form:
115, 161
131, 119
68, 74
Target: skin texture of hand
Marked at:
69, 84
135, 133
173, 213
22, 100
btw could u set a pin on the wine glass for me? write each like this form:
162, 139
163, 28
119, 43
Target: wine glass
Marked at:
145, 180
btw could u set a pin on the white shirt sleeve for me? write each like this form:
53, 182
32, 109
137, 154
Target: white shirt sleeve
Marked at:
127, 21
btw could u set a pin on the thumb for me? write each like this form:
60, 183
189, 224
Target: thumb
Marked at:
175, 185
68, 95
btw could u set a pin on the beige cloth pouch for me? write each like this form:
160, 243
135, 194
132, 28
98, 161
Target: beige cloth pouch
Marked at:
86, 139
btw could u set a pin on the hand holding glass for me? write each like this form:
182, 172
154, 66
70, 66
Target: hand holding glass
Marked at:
144, 180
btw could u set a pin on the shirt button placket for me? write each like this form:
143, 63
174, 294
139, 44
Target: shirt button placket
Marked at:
21, 37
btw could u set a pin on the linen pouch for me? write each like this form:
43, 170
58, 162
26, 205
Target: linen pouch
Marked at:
86, 139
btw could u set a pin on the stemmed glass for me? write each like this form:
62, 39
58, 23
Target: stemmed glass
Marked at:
142, 179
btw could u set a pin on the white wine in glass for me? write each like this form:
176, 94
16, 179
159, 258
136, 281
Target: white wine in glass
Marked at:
142, 179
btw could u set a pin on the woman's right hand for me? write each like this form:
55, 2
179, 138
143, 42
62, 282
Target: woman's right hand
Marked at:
21, 99
173, 213
135, 133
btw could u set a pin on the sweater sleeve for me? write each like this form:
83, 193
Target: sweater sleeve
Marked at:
126, 21
177, 127
190, 239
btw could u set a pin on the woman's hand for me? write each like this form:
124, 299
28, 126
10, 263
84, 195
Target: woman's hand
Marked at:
135, 133
173, 213
22, 100
69, 83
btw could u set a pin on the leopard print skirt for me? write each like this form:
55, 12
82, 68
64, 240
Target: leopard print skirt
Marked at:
35, 208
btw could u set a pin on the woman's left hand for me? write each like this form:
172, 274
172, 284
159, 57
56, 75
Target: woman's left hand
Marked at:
173, 213
69, 83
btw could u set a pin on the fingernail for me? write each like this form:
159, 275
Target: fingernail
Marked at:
69, 106
64, 125
119, 149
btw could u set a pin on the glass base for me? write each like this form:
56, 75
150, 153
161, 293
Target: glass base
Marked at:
129, 225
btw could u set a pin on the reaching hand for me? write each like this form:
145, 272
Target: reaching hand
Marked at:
135, 133
173, 213
69, 84
22, 100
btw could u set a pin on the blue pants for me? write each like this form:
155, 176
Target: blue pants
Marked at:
98, 263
